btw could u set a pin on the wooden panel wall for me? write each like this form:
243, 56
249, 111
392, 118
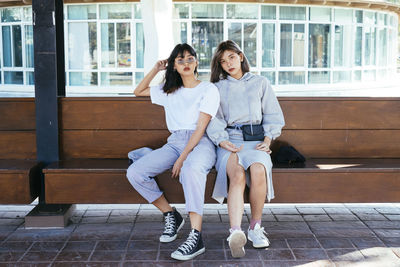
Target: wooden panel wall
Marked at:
317, 127
17, 128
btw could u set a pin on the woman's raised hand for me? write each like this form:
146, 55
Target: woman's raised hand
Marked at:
230, 147
161, 65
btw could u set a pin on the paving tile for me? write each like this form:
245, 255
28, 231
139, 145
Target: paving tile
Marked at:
285, 211
311, 263
15, 246
39, 256
335, 243
317, 218
27, 264
79, 246
285, 225
343, 233
102, 231
145, 245
41, 234
289, 218
367, 242
86, 264
311, 211
335, 210
372, 217
111, 245
345, 254
227, 264
276, 254
10, 256
139, 255
73, 256
214, 243
14, 214
277, 243
344, 217
120, 212
383, 224
310, 254
212, 254
337, 225
211, 218
388, 210
391, 241
121, 219
107, 255
94, 219
387, 232
47, 246
303, 243
393, 217
300, 233
97, 213
13, 221
268, 218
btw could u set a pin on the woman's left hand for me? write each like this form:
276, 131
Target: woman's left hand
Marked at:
176, 170
264, 146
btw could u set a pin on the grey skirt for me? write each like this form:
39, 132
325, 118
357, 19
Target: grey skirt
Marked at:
247, 156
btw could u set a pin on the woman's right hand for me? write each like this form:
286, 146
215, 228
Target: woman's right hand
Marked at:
160, 65
230, 147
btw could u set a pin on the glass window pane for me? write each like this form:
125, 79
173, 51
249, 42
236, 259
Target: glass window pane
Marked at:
115, 11
28, 14
381, 19
242, 11
140, 45
357, 75
116, 78
138, 77
82, 78
342, 43
181, 28
82, 12
30, 78
17, 45
268, 45
286, 45
212, 11
291, 77
382, 47
181, 11
204, 76
298, 45
318, 77
82, 45
270, 75
10, 14
319, 46
292, 13
235, 32
369, 17
343, 15
107, 45
342, 76
359, 16
138, 11
320, 14
205, 38
250, 43
382, 74
29, 46
358, 46
124, 44
268, 12
13, 77
369, 75
7, 56
370, 45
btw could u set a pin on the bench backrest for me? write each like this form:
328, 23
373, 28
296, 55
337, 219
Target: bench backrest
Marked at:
17, 128
317, 127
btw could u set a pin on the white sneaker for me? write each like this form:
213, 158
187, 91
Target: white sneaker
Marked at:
237, 240
257, 236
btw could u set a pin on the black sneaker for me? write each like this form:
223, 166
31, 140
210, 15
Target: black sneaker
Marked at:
173, 223
192, 247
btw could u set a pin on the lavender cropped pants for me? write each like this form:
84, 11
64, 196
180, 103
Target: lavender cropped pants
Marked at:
193, 174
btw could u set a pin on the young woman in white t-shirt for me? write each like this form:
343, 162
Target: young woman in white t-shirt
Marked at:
189, 105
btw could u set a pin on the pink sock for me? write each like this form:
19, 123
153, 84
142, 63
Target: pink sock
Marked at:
253, 223
235, 228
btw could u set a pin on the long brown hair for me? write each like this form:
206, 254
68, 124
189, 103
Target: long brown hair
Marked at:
217, 72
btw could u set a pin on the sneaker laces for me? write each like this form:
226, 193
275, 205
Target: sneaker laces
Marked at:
261, 233
169, 223
190, 243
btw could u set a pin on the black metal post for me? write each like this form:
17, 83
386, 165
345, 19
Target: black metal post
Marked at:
48, 37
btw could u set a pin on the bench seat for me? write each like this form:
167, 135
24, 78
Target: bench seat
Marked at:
19, 181
97, 181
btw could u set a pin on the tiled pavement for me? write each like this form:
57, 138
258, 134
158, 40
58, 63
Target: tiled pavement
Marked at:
126, 235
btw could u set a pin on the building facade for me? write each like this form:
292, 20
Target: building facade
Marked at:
303, 48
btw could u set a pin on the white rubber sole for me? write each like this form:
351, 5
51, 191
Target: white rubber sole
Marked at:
236, 244
260, 245
177, 256
167, 239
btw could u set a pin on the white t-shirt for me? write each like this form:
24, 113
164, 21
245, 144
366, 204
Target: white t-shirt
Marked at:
182, 107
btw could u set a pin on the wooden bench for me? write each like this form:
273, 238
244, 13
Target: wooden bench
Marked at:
19, 171
352, 146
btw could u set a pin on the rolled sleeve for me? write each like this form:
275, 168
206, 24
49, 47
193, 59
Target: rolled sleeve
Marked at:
157, 95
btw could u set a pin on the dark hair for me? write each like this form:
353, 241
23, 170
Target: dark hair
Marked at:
172, 78
217, 72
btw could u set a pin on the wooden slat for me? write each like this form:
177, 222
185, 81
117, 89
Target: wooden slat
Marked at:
341, 114
17, 114
17, 145
311, 143
344, 143
131, 113
109, 144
